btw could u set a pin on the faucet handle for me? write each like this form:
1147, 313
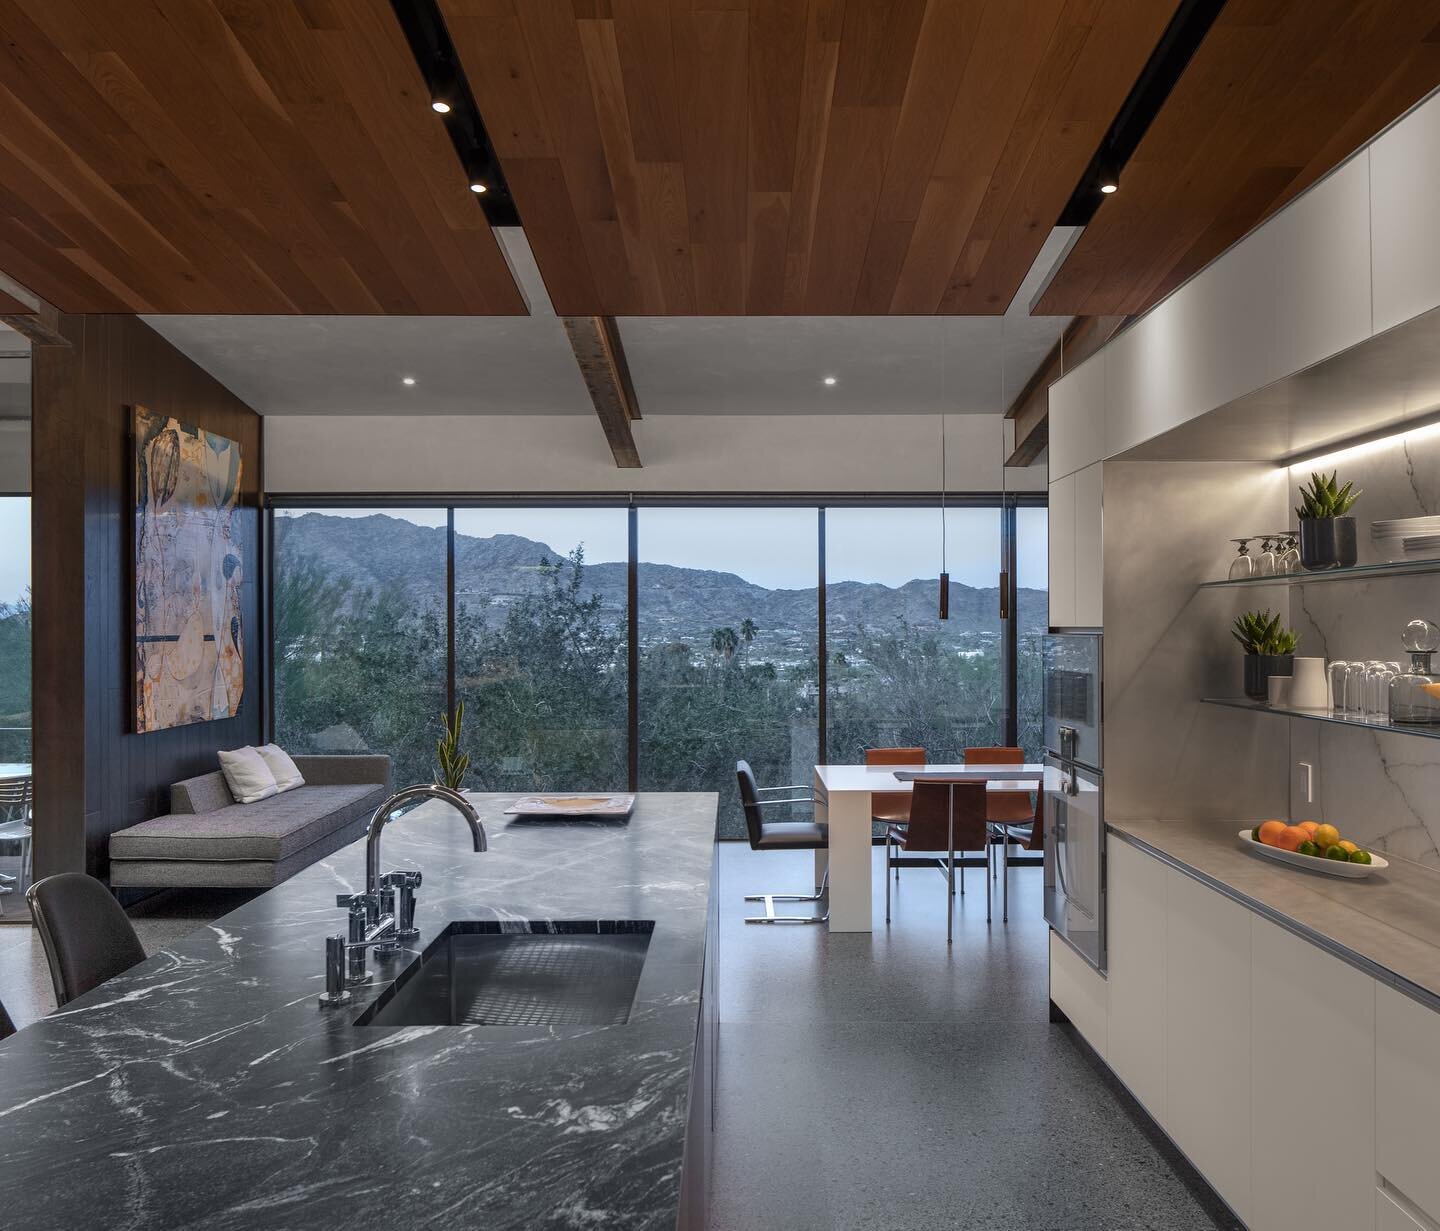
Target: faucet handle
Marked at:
406, 883
353, 901
395, 880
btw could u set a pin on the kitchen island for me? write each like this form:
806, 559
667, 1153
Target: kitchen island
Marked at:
207, 1088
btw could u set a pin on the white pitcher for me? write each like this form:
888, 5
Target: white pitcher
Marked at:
1309, 685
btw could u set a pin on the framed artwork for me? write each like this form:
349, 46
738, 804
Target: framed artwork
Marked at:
189, 654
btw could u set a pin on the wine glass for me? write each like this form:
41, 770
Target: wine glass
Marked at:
1265, 561
1288, 561
1243, 566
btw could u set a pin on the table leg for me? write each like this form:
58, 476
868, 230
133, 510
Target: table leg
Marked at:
850, 861
822, 816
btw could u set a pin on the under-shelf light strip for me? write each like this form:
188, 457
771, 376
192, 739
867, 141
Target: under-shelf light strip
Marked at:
1407, 435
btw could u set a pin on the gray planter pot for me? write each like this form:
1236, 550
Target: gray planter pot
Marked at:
1327, 542
1260, 667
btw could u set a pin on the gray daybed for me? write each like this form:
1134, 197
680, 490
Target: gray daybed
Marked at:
208, 839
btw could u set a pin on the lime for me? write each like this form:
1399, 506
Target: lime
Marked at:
1255, 834
1336, 852
1307, 848
1358, 856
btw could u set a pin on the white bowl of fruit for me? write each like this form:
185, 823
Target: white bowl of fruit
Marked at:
1312, 845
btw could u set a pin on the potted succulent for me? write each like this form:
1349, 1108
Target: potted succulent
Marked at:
1327, 535
1269, 650
451, 763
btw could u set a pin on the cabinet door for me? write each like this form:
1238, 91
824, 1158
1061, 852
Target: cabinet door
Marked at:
1076, 408
1080, 993
1314, 1088
1404, 183
1207, 1035
1135, 902
1089, 563
1062, 552
1407, 1097
1390, 1216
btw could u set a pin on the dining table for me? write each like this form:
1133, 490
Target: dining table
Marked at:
843, 801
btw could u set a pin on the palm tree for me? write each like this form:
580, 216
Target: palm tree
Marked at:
748, 630
724, 642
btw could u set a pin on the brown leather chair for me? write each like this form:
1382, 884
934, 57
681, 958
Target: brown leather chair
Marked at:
1028, 835
780, 836
1005, 807
946, 814
892, 807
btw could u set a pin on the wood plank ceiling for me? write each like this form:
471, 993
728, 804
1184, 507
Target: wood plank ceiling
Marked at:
264, 156
1276, 95
795, 156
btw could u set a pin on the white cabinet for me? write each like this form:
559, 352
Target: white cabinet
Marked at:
1207, 1035
1404, 185
1077, 417
1313, 1096
1391, 1216
1062, 552
1407, 1097
1089, 562
1077, 571
1080, 993
1136, 970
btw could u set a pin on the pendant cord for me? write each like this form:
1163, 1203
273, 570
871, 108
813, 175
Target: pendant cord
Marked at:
942, 492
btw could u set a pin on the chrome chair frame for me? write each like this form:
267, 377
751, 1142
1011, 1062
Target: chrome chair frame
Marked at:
822, 890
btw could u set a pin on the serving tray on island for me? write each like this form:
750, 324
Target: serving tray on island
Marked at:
605, 807
1315, 863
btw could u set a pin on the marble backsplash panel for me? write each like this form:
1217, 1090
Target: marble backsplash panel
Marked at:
1381, 788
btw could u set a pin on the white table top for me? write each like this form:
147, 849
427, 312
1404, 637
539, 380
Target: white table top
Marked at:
840, 778
14, 769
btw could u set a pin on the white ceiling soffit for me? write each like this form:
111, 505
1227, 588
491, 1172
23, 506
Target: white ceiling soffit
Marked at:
356, 365
879, 364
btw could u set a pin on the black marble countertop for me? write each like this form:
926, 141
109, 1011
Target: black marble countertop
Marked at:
1387, 924
206, 1088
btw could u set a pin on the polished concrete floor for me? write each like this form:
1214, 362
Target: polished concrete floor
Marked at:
886, 1081
889, 1081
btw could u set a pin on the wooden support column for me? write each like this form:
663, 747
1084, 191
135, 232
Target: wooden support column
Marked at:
1031, 409
596, 343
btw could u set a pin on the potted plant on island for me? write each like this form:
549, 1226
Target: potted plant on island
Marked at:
1269, 650
1327, 535
451, 764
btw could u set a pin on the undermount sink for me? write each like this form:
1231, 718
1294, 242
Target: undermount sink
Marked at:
538, 974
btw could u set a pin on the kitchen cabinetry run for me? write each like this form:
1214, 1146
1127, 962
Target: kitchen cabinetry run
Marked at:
1136, 961
1076, 563
1407, 1097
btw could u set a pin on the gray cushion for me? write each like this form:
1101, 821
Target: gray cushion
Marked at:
207, 793
793, 835
273, 829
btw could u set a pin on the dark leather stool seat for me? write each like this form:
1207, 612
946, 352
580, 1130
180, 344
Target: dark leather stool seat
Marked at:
88, 938
793, 836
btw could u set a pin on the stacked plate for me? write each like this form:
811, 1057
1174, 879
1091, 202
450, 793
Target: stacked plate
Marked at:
1406, 538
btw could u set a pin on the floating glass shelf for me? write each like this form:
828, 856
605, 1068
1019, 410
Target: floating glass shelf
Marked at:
1345, 720
1359, 572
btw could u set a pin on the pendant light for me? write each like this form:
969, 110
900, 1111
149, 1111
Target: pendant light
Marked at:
944, 576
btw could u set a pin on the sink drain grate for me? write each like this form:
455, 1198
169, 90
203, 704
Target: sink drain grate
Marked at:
556, 981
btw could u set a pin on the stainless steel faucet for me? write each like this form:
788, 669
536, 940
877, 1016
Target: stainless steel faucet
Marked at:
384, 914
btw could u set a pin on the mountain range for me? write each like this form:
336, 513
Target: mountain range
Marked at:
676, 603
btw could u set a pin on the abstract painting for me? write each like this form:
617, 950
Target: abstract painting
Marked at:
189, 642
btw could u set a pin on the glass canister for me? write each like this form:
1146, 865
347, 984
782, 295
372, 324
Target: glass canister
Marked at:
1415, 694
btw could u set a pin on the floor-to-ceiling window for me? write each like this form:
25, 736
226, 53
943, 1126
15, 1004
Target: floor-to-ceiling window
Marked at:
898, 674
733, 657
15, 624
360, 633
541, 646
727, 623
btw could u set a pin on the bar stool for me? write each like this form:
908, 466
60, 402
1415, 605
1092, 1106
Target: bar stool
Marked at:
88, 938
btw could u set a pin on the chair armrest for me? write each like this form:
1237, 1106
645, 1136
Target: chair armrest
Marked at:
770, 803
797, 787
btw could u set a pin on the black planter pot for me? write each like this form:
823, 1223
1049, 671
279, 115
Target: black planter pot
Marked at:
1260, 667
1327, 542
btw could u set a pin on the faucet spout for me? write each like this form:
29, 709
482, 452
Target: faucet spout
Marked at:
386, 811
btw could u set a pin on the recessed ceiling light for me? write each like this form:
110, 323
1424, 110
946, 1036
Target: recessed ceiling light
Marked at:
407, 380
829, 380
476, 186
1109, 186
441, 106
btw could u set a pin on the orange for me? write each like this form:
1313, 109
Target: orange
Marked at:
1270, 830
1309, 826
1289, 838
1347, 846
1326, 836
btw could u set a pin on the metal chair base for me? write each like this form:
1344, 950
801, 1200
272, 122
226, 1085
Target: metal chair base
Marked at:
771, 898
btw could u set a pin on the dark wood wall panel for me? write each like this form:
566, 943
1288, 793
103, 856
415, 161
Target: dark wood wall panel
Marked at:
93, 775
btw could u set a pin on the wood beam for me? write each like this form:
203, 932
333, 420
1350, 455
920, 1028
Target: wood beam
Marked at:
601, 356
1031, 408
26, 313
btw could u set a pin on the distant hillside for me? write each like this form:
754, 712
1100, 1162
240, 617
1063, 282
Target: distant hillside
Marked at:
675, 603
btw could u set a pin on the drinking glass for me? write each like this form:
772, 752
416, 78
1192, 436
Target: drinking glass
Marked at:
1243, 565
1377, 688
1355, 689
1265, 561
1339, 671
1288, 562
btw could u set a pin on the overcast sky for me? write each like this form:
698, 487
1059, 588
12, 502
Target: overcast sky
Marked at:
14, 547
775, 547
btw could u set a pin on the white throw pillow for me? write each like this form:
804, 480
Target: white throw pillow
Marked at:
247, 775
287, 774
